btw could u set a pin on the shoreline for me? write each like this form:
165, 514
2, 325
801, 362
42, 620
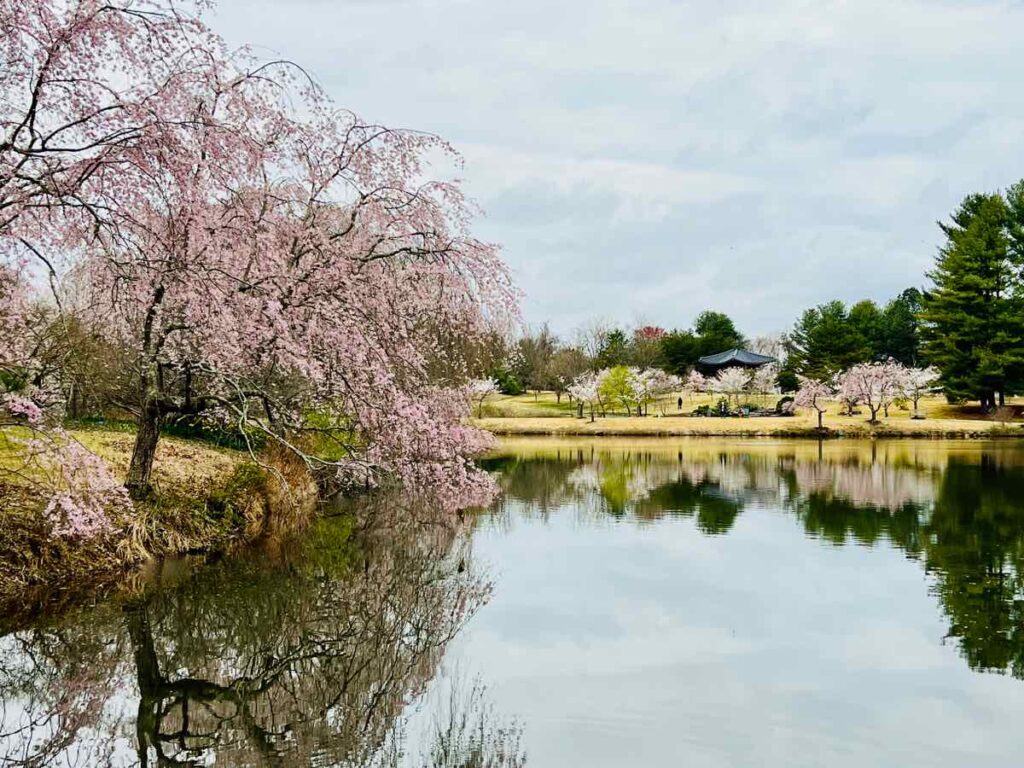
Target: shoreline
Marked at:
696, 426
207, 501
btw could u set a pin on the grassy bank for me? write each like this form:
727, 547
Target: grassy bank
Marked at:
205, 499
543, 415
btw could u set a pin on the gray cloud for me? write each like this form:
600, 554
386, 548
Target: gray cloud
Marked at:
656, 158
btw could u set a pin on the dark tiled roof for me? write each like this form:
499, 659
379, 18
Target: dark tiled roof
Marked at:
736, 357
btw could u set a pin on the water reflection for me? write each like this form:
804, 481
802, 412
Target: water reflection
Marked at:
959, 511
731, 602
307, 655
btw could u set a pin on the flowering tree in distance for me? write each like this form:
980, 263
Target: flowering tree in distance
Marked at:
764, 380
694, 383
586, 389
650, 383
813, 394
480, 390
874, 384
916, 383
731, 382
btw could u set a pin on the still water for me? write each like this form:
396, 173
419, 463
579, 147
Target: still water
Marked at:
624, 603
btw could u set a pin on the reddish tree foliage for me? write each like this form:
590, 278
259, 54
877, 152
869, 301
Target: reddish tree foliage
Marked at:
649, 332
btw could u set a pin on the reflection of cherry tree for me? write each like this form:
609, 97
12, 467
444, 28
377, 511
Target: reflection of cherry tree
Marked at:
312, 660
960, 517
54, 684
878, 484
643, 485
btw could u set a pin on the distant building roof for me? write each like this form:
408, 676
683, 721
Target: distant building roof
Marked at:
736, 357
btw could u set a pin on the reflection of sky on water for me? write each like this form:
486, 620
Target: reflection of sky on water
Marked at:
639, 640
719, 604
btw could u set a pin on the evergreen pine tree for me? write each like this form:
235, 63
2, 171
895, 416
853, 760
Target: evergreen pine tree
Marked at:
825, 342
973, 328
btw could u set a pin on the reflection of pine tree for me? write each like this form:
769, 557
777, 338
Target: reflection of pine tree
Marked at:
975, 550
963, 520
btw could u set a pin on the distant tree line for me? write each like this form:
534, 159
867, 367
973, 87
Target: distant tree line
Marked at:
826, 340
968, 324
832, 337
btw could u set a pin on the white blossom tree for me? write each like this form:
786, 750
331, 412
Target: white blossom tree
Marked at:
731, 382
764, 380
586, 390
695, 382
918, 382
651, 383
813, 395
480, 390
874, 384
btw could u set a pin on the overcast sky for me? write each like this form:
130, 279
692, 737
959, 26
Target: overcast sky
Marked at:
646, 160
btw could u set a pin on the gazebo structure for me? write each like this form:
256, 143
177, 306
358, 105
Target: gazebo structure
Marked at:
733, 358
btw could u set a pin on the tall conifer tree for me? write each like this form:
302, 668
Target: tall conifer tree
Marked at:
973, 327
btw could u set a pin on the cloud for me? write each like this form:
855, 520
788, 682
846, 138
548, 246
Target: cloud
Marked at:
658, 158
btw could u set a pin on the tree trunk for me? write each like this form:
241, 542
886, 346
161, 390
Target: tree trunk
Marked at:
820, 414
140, 470
148, 679
73, 401
988, 401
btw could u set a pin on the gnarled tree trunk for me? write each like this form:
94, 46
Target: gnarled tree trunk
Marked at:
140, 471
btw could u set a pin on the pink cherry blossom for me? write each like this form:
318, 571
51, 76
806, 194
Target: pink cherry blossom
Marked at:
262, 256
814, 395
874, 384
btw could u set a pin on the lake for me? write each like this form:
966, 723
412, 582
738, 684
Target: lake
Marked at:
654, 602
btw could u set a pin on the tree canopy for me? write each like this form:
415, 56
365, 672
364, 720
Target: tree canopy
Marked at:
973, 324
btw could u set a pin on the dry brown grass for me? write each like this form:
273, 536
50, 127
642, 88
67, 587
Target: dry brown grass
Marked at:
205, 498
941, 421
180, 466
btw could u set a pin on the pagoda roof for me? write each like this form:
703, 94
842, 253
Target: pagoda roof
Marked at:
734, 356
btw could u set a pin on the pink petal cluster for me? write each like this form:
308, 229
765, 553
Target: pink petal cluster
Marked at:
87, 497
221, 217
84, 499
875, 385
19, 405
